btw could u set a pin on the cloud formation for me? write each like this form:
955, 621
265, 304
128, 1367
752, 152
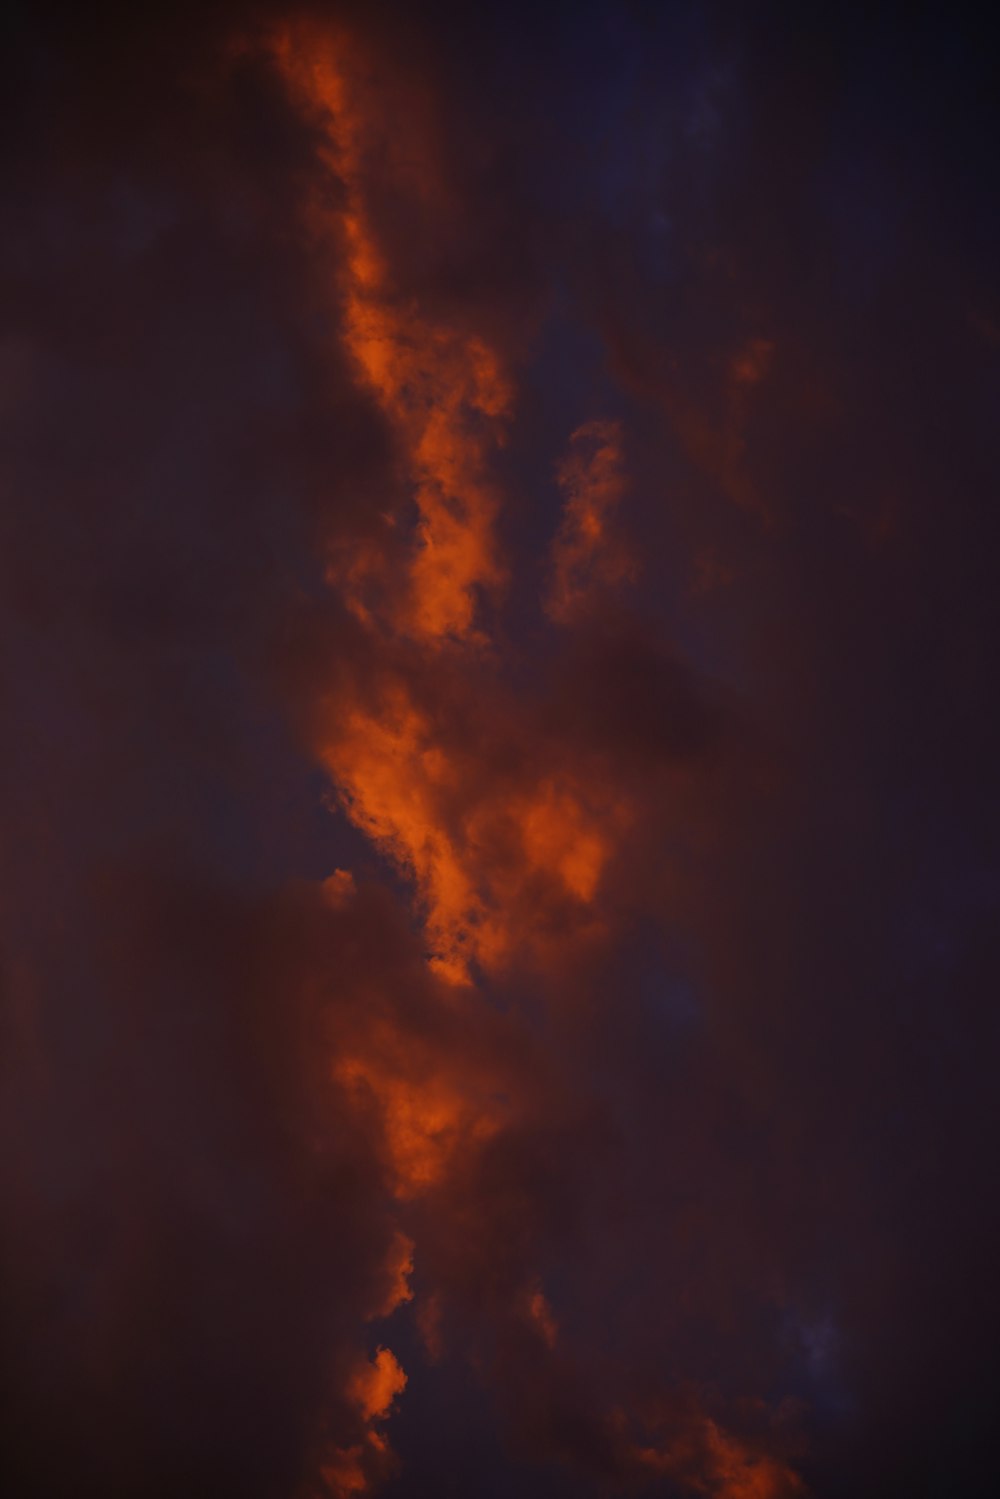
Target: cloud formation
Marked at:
498, 876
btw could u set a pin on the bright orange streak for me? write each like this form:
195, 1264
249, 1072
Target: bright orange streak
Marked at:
446, 396
444, 393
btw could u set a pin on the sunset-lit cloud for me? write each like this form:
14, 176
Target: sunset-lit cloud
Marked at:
442, 389
497, 899
474, 844
504, 827
374, 1386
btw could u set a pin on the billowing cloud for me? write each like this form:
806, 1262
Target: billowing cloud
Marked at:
497, 885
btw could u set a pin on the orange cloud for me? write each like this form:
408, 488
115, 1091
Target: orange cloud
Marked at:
375, 1385
489, 848
488, 853
487, 781
704, 1459
399, 1268
442, 389
737, 1473
425, 1116
345, 1471
505, 822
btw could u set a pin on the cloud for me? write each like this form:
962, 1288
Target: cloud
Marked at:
482, 758
583, 551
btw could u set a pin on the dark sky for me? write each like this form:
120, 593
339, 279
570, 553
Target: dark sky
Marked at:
499, 817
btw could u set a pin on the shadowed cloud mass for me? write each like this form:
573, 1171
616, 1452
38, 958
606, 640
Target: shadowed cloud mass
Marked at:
499, 862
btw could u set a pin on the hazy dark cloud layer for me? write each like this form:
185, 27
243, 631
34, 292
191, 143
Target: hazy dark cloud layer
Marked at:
499, 863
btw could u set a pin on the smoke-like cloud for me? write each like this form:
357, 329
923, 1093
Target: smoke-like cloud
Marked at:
497, 864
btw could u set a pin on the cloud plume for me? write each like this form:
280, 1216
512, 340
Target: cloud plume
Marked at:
498, 874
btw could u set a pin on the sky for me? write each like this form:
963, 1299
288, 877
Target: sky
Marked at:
500, 846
